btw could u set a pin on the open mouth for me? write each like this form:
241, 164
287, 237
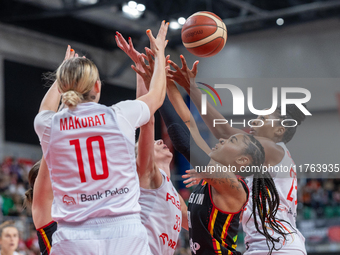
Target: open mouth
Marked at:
252, 131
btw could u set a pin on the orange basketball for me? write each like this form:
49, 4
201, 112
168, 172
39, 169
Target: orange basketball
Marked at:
204, 34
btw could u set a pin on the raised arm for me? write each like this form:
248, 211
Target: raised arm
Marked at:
184, 112
52, 97
186, 78
149, 175
155, 97
42, 197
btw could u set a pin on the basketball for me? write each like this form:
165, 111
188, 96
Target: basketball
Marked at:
204, 34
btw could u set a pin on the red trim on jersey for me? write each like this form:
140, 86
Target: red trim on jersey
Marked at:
212, 201
50, 223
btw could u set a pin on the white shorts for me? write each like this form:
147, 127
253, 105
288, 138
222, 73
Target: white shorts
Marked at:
102, 236
285, 252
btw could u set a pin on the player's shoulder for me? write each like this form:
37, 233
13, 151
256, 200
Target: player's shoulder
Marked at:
273, 152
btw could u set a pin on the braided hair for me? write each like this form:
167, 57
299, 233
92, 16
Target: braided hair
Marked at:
293, 113
266, 199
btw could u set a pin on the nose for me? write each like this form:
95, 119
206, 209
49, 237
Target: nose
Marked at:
255, 122
160, 142
221, 140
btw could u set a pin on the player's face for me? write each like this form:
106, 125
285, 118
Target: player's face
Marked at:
227, 151
161, 150
9, 239
264, 126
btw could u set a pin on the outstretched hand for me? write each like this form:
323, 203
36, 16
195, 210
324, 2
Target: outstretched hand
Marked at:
127, 47
191, 177
183, 76
159, 43
70, 53
144, 70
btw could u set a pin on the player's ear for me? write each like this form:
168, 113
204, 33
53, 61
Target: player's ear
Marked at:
97, 86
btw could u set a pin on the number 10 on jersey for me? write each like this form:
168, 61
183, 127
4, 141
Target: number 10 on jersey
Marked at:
80, 162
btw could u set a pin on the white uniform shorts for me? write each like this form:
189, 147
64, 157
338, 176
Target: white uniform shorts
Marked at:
285, 252
122, 235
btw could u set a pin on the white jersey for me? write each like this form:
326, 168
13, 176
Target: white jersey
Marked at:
286, 185
89, 151
161, 215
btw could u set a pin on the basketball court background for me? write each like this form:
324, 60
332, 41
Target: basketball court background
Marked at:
259, 53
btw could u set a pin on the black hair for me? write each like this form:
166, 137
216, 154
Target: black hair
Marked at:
266, 199
292, 112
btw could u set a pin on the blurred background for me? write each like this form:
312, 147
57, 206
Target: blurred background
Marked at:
270, 43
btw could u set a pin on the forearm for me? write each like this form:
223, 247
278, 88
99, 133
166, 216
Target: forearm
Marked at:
42, 197
140, 88
145, 156
51, 99
218, 131
184, 113
158, 81
184, 210
180, 136
178, 103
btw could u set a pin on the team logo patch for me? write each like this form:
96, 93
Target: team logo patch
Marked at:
68, 200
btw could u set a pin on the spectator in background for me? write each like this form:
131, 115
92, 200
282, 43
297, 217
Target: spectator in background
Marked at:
9, 238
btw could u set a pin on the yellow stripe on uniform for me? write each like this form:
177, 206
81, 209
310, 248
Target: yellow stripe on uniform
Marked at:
225, 230
46, 241
212, 222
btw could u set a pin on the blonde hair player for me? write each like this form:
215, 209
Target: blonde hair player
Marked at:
41, 200
89, 150
162, 207
9, 238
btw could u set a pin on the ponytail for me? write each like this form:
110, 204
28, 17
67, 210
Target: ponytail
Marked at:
72, 98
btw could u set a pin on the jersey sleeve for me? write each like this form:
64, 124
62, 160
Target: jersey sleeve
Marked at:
135, 112
42, 126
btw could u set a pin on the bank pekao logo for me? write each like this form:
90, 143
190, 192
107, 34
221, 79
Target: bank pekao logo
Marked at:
68, 200
238, 102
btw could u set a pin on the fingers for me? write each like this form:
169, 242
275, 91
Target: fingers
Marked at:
72, 52
76, 55
191, 184
149, 53
137, 71
131, 44
194, 67
121, 42
167, 64
149, 34
67, 54
174, 65
184, 63
163, 30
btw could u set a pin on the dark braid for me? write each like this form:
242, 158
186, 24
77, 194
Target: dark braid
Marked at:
292, 112
266, 199
266, 202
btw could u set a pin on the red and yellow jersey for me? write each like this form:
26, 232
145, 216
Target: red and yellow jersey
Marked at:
211, 230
